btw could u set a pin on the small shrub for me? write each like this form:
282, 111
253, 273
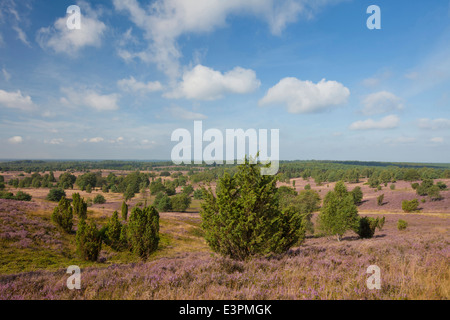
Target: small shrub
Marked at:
392, 186
423, 200
380, 200
99, 199
63, 215
88, 240
23, 196
402, 224
410, 206
79, 206
367, 226
441, 185
143, 231
56, 194
415, 185
113, 232
308, 187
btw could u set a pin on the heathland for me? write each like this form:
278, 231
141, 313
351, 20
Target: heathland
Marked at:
414, 258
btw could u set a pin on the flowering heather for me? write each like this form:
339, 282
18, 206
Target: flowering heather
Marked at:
414, 265
22, 231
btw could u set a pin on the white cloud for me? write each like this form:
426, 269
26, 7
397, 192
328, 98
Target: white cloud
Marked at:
165, 20
6, 75
437, 140
435, 124
94, 140
21, 35
389, 122
15, 100
181, 113
91, 99
63, 40
203, 83
15, 140
132, 85
56, 141
381, 102
118, 140
305, 96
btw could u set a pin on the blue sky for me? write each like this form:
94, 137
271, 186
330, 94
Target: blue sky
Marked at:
138, 70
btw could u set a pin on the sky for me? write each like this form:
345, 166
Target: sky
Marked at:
137, 70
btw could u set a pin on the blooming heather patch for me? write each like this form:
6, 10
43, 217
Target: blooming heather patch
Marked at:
22, 231
414, 265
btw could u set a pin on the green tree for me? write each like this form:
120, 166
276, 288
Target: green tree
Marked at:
188, 190
66, 180
124, 211
162, 202
88, 241
243, 218
143, 231
338, 213
79, 206
129, 193
434, 193
56, 194
180, 202
99, 199
113, 231
357, 195
63, 215
198, 194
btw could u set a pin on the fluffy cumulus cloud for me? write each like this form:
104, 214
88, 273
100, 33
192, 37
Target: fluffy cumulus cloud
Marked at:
180, 113
15, 140
381, 102
16, 100
165, 20
305, 96
132, 85
203, 83
434, 124
63, 40
91, 99
389, 122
